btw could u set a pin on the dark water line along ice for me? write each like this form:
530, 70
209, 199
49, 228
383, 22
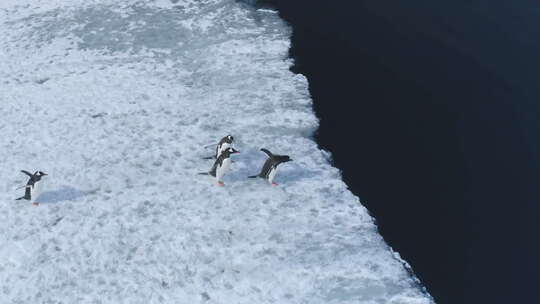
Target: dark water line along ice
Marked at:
430, 110
135, 90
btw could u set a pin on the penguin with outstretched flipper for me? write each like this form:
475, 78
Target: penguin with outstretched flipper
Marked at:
221, 165
33, 187
270, 166
223, 144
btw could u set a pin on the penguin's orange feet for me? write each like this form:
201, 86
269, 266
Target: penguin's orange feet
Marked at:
220, 184
274, 184
35, 203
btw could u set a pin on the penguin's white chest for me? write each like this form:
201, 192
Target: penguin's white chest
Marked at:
36, 190
221, 170
272, 174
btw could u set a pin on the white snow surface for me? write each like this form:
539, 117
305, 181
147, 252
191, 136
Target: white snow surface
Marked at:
115, 101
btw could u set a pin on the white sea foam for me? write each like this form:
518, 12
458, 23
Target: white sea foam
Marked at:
115, 100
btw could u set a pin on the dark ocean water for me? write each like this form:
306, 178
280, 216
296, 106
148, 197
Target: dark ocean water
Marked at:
431, 110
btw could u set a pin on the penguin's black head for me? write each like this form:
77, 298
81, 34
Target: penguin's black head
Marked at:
230, 150
41, 173
283, 158
230, 138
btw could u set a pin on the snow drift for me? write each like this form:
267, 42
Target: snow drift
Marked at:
115, 100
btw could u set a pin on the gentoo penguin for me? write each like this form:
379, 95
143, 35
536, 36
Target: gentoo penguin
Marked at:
221, 165
269, 168
223, 144
33, 187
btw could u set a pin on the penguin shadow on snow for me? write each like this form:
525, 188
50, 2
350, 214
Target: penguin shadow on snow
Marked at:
292, 173
65, 193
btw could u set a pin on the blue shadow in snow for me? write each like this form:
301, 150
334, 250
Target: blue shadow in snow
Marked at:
291, 173
65, 193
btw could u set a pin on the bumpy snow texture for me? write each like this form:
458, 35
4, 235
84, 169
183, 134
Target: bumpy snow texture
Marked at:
115, 100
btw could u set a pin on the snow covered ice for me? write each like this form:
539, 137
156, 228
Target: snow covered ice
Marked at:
115, 100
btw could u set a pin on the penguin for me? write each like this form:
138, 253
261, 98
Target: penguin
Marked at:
223, 144
33, 187
269, 168
221, 165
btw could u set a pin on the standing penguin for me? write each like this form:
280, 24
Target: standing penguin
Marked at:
221, 165
33, 187
223, 144
269, 168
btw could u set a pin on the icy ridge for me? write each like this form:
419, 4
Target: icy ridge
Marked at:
115, 99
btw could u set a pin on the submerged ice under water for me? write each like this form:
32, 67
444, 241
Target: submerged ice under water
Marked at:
115, 100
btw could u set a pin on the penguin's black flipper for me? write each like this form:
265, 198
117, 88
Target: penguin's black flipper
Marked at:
204, 173
27, 173
209, 157
253, 176
267, 152
20, 198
